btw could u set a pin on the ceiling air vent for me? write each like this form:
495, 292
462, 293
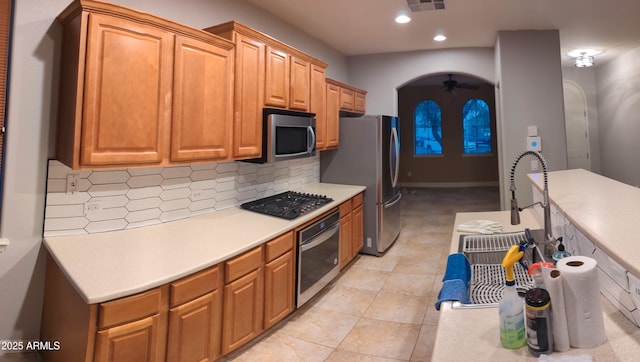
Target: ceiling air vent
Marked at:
423, 5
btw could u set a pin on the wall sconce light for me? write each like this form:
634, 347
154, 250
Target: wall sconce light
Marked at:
584, 60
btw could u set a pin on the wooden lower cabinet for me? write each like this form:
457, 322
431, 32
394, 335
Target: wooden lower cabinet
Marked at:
136, 341
243, 299
195, 317
279, 279
351, 229
194, 330
243, 303
133, 328
357, 216
346, 234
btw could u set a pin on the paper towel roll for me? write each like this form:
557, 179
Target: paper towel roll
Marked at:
553, 284
583, 309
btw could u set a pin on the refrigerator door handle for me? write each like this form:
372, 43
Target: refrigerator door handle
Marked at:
393, 201
394, 155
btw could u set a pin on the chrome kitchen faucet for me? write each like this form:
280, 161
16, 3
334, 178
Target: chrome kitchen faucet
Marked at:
515, 210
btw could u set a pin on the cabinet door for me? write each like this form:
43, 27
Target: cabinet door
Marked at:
276, 85
243, 310
194, 330
318, 103
249, 95
202, 101
127, 91
346, 235
360, 105
333, 116
279, 283
357, 216
347, 99
300, 84
132, 342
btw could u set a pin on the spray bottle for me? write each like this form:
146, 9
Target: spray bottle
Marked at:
511, 307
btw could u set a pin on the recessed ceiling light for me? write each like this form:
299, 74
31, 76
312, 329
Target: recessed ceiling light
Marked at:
403, 17
439, 36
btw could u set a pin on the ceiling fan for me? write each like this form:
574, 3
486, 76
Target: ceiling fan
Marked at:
451, 84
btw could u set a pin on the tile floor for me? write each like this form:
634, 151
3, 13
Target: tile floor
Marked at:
380, 308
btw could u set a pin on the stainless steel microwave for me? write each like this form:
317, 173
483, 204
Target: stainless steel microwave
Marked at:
287, 135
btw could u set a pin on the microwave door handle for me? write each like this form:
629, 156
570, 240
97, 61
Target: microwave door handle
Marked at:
311, 136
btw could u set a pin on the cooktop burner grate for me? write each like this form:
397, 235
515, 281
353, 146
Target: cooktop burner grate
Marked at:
287, 205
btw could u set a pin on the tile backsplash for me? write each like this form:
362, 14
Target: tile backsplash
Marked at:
136, 197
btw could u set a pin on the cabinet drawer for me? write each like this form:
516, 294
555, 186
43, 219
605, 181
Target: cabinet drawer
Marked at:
345, 208
357, 200
243, 264
278, 246
132, 308
193, 286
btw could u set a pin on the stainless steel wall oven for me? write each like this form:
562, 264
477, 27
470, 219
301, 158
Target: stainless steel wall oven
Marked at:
318, 247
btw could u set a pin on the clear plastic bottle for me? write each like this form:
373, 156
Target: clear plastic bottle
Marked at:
560, 253
511, 309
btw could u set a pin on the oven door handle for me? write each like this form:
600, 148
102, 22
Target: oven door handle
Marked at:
320, 238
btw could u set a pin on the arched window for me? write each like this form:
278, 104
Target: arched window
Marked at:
427, 123
476, 127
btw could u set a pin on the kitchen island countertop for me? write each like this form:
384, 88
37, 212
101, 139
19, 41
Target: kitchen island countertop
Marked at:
603, 209
110, 265
473, 334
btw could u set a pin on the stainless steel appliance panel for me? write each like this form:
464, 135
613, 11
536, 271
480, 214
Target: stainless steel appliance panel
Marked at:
369, 155
318, 248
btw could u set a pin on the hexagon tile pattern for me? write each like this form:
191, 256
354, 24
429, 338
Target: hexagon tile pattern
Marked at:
122, 199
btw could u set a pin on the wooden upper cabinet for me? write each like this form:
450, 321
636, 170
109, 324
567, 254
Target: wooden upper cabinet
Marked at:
127, 91
276, 82
347, 99
350, 98
287, 76
202, 101
318, 103
249, 94
300, 84
332, 116
360, 103
139, 90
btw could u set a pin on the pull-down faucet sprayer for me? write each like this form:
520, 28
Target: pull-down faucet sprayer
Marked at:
515, 215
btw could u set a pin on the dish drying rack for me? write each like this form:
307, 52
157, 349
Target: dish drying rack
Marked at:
485, 253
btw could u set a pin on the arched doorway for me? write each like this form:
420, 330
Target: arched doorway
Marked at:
456, 164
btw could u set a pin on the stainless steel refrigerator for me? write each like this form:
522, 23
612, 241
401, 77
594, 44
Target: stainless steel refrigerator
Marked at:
369, 155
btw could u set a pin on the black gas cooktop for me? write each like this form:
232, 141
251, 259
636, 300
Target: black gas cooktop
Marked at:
287, 205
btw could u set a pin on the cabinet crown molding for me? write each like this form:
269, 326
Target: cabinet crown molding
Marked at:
227, 29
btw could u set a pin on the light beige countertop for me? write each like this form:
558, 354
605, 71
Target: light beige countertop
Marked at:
605, 210
473, 334
110, 265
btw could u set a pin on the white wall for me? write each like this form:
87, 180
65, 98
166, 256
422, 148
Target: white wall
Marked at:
530, 94
31, 119
382, 74
618, 89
